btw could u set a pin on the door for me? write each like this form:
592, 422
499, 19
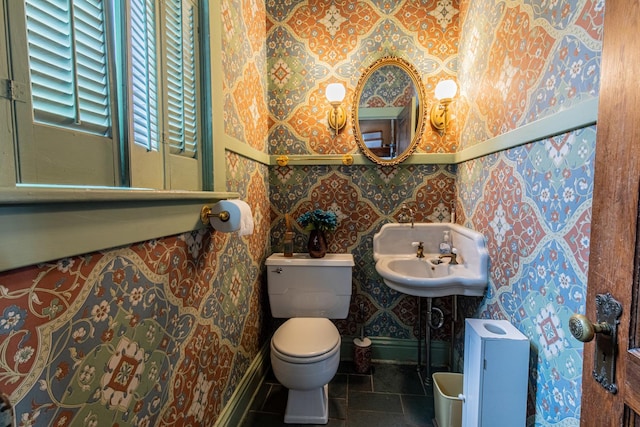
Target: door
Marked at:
614, 225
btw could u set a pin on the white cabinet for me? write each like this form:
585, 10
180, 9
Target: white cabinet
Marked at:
496, 369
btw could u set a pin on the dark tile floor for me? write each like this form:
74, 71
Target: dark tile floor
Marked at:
393, 395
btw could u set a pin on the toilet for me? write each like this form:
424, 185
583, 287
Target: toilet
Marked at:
305, 350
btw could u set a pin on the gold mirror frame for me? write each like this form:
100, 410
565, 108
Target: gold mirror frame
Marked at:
419, 110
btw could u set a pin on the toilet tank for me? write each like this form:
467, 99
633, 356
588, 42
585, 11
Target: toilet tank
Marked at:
301, 286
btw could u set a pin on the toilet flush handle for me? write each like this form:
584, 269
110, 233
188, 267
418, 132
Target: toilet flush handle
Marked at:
277, 270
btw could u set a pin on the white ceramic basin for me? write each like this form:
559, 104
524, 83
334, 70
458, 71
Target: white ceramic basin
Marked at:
417, 267
401, 270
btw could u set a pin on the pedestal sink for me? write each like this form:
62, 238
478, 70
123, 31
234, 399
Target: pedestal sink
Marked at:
395, 255
394, 251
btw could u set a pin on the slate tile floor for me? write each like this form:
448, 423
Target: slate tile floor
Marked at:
392, 395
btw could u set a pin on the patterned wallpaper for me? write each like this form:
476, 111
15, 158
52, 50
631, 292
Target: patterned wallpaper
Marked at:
313, 43
520, 61
363, 198
158, 333
244, 80
388, 86
533, 203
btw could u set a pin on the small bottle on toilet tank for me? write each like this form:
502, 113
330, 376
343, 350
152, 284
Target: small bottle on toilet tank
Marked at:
287, 249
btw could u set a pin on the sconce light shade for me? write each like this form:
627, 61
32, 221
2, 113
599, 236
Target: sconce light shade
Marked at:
335, 93
440, 115
446, 89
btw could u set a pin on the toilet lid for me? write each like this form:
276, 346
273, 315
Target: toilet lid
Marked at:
306, 337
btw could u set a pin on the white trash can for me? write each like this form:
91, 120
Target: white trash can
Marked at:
446, 388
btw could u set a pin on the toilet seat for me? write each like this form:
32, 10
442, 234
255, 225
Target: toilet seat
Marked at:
305, 340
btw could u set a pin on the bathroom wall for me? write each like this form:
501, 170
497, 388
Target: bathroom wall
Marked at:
311, 44
521, 61
160, 332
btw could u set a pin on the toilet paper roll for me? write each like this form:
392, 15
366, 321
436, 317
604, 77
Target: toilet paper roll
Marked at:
240, 217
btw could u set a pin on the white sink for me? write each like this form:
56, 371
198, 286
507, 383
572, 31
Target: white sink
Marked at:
401, 270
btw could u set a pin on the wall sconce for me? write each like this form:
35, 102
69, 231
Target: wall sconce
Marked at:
337, 116
440, 115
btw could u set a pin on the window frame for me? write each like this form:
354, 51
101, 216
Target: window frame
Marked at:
74, 158
40, 223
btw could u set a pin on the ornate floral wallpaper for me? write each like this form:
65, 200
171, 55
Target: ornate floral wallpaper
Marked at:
161, 332
387, 87
364, 198
157, 333
520, 61
313, 43
533, 203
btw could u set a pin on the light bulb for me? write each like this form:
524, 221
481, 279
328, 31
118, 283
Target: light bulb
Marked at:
446, 89
335, 93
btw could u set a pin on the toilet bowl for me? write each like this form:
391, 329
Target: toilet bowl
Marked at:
305, 354
305, 349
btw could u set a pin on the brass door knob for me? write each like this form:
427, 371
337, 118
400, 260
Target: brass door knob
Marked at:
584, 330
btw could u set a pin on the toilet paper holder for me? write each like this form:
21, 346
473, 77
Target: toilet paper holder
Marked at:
206, 213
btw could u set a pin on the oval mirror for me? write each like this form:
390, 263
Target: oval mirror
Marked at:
388, 114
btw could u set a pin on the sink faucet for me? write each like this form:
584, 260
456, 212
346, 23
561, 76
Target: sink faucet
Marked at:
403, 217
453, 255
420, 246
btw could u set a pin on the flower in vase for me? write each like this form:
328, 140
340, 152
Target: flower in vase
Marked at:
318, 220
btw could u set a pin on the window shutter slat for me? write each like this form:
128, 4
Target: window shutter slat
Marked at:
190, 87
144, 90
181, 77
92, 63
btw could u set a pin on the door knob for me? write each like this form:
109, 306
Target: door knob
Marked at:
608, 312
584, 329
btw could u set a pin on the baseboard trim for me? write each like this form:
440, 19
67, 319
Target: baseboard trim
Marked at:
234, 410
396, 350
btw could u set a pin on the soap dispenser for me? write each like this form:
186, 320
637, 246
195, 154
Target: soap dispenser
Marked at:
445, 246
287, 245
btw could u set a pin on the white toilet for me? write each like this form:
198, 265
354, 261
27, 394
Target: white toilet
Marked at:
305, 350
